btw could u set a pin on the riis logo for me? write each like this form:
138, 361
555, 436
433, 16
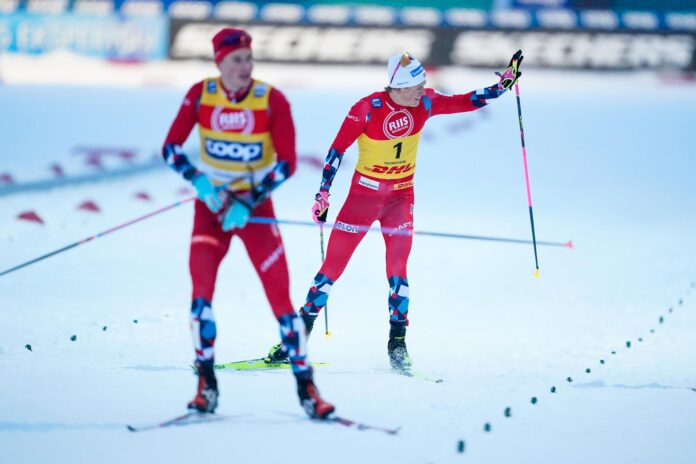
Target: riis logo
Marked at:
234, 151
397, 124
232, 121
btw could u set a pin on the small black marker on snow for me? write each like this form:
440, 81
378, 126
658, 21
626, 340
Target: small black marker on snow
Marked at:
628, 343
461, 446
553, 389
640, 339
73, 338
507, 412
613, 352
533, 400
27, 346
104, 328
569, 379
662, 319
601, 361
587, 371
135, 321
487, 427
670, 309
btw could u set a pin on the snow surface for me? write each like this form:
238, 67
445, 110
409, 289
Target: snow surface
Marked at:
612, 168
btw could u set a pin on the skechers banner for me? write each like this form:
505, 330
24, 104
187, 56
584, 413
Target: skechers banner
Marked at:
108, 36
311, 44
575, 48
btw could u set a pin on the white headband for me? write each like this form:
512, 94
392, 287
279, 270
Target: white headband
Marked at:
403, 70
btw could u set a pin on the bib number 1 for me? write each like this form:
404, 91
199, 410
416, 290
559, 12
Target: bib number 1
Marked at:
398, 150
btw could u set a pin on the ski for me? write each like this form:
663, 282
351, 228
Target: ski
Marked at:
334, 419
418, 375
189, 418
357, 425
254, 364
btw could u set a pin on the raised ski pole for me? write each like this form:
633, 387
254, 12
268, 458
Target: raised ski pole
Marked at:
526, 177
326, 306
100, 234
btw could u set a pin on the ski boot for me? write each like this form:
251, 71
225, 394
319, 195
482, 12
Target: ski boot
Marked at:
206, 399
277, 354
313, 404
396, 349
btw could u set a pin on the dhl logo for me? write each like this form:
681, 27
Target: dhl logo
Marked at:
378, 169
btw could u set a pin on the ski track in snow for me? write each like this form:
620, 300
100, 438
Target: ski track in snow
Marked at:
611, 167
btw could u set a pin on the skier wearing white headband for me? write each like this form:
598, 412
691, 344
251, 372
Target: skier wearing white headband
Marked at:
387, 126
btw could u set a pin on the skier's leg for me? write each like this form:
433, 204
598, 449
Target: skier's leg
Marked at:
293, 338
264, 246
359, 211
209, 244
397, 221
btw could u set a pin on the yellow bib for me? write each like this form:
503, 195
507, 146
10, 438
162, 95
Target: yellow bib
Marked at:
387, 159
235, 138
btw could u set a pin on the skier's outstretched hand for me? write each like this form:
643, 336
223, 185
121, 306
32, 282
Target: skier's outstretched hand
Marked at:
321, 207
512, 72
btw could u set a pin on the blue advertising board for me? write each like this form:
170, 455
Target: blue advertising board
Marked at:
113, 36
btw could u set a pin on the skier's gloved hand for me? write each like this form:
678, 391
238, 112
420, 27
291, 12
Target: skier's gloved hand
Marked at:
321, 207
236, 216
206, 192
512, 72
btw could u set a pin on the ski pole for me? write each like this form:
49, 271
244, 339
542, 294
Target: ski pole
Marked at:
395, 231
113, 229
326, 306
100, 234
526, 178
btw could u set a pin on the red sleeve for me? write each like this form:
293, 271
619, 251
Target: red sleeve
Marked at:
282, 129
187, 116
354, 125
448, 104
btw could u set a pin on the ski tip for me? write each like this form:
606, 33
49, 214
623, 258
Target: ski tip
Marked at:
536, 273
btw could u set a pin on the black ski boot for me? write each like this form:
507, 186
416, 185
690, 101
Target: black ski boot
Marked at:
206, 398
314, 405
396, 348
277, 353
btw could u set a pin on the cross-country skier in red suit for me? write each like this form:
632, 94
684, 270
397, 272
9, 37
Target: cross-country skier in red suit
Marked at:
247, 141
387, 126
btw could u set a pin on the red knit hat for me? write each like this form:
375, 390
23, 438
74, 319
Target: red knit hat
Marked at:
228, 40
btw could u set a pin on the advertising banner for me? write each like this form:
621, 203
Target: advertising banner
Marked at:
305, 44
111, 36
476, 47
